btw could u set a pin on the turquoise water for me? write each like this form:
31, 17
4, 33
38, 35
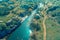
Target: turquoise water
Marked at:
0, 0
23, 32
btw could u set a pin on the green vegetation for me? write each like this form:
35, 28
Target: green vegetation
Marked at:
13, 8
52, 30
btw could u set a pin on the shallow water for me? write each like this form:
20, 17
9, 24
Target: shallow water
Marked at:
22, 32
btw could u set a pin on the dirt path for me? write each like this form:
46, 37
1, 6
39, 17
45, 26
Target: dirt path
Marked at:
44, 25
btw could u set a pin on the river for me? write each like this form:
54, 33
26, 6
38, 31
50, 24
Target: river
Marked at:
23, 32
